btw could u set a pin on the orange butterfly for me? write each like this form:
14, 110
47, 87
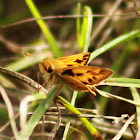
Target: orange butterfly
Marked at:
73, 71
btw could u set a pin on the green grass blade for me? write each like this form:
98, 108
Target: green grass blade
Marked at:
113, 43
24, 106
10, 111
39, 112
26, 62
78, 27
136, 98
123, 82
88, 125
86, 28
44, 28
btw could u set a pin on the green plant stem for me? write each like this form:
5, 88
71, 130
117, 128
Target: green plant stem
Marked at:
44, 28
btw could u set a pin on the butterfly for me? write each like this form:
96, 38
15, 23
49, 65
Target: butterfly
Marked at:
74, 72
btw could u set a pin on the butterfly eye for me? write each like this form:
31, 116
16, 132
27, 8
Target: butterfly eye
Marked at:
49, 69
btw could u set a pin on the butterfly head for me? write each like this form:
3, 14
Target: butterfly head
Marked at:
45, 66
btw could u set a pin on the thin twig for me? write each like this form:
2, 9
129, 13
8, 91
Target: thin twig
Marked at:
62, 16
24, 78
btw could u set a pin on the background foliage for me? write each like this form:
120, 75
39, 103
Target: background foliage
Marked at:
65, 36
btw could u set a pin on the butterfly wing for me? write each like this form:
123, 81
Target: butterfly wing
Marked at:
87, 75
76, 84
83, 78
49, 65
75, 60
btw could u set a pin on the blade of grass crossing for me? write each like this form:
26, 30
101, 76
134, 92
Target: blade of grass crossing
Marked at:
136, 98
44, 28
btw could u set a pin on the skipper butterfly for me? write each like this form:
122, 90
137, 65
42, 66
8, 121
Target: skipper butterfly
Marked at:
74, 72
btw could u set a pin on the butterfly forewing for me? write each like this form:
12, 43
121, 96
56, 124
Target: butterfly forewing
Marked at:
75, 60
64, 62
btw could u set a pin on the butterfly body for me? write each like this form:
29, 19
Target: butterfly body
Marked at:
74, 72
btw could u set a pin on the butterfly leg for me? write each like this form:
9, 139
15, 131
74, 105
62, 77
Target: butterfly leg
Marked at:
46, 80
52, 82
38, 78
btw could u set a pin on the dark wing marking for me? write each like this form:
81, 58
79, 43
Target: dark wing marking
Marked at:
68, 72
79, 61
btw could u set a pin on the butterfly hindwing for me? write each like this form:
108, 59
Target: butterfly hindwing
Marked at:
77, 85
88, 75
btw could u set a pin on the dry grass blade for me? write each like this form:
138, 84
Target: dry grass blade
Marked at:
24, 78
119, 135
